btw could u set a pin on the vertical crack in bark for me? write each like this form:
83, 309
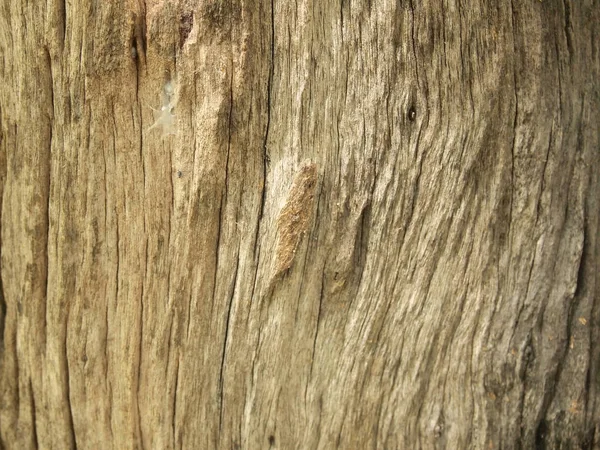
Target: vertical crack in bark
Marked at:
568, 27
33, 416
68, 380
106, 321
467, 75
2, 305
217, 247
515, 124
142, 159
140, 34
189, 316
579, 284
362, 240
342, 20
171, 212
141, 349
443, 8
316, 337
62, 16
174, 421
116, 298
267, 130
47, 186
224, 351
412, 36
225, 337
559, 79
140, 41
3, 166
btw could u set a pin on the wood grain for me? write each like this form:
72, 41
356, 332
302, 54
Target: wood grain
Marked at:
369, 225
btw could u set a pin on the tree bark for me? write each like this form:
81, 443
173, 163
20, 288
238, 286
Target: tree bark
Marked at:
311, 224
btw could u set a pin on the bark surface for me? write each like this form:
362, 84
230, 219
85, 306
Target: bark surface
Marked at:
312, 224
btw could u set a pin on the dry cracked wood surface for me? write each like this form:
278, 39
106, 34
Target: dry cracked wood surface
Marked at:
311, 224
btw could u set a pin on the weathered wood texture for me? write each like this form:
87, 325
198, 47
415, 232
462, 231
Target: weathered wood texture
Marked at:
310, 224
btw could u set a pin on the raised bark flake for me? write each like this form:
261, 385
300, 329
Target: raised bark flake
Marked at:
295, 217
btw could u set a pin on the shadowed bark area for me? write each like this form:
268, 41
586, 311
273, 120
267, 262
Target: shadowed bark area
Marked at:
268, 224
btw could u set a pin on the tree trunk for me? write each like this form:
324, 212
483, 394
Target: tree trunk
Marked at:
310, 224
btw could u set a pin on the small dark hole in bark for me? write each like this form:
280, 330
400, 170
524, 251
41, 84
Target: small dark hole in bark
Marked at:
186, 23
540, 436
271, 440
412, 113
179, 174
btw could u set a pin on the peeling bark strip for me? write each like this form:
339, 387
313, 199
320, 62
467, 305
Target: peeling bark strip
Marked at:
295, 217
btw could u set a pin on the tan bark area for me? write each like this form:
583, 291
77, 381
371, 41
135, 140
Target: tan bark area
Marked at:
311, 224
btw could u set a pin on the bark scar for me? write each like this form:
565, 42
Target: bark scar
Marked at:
294, 218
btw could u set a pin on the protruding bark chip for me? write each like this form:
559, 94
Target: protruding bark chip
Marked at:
295, 217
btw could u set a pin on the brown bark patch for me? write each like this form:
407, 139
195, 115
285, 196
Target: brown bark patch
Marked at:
295, 217
186, 23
